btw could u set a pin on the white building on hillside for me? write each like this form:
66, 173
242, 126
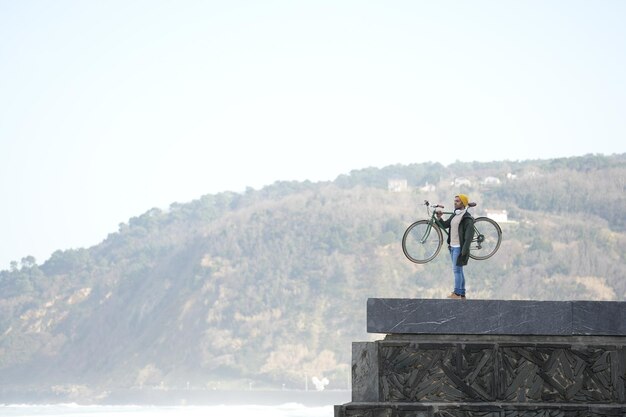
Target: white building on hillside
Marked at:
491, 181
462, 181
397, 185
426, 188
499, 216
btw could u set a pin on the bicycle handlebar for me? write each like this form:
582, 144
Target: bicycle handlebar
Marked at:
427, 204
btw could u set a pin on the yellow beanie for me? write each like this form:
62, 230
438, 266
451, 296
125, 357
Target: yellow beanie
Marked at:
464, 199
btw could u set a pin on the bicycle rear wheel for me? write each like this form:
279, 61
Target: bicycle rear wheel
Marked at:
487, 238
421, 242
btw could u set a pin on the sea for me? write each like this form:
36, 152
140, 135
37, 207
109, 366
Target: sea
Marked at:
75, 410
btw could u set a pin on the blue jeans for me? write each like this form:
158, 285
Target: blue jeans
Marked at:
459, 277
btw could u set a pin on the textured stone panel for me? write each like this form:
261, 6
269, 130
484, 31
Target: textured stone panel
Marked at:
475, 410
365, 374
515, 373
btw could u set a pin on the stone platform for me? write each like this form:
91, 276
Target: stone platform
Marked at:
410, 316
490, 358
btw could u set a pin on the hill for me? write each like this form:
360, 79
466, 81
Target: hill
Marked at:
267, 288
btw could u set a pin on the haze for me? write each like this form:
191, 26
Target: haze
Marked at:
108, 109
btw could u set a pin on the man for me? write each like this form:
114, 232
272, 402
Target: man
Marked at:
461, 225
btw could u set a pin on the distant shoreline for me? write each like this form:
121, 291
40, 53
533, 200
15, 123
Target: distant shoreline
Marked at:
189, 397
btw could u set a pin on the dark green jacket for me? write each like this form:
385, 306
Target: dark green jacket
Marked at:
466, 234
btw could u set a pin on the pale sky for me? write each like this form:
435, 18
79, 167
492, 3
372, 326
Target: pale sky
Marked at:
109, 108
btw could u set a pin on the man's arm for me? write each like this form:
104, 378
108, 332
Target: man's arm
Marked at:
444, 224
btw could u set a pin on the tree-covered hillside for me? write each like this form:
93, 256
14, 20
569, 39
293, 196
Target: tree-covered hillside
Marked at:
269, 286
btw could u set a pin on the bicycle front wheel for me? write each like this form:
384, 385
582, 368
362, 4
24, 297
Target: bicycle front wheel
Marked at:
421, 242
487, 238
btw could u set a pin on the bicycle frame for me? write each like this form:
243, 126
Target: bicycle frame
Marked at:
434, 220
485, 242
478, 237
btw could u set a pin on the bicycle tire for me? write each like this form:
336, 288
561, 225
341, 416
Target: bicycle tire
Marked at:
487, 238
418, 250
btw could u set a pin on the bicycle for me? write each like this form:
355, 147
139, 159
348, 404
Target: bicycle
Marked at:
423, 239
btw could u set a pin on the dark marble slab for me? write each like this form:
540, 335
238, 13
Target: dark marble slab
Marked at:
495, 317
534, 318
593, 318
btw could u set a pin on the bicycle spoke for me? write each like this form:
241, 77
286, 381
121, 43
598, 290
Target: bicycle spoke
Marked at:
421, 242
487, 238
